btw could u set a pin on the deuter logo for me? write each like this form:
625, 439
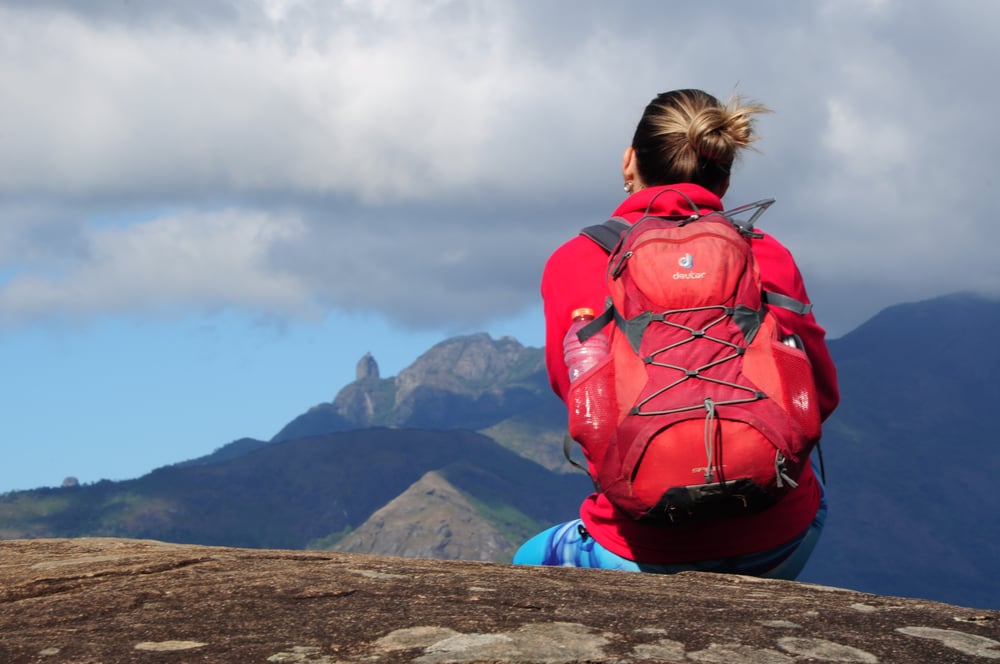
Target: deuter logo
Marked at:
687, 262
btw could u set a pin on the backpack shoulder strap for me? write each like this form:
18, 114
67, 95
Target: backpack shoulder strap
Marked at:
607, 234
786, 302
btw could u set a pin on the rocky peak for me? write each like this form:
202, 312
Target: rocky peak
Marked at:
469, 364
367, 367
468, 382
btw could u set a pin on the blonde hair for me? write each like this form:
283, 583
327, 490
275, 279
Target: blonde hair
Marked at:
689, 136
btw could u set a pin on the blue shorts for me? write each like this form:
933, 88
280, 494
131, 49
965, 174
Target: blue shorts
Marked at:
570, 545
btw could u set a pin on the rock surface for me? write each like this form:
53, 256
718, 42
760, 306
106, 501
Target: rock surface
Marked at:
112, 600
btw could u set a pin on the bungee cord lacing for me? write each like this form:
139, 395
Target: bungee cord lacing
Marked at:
696, 373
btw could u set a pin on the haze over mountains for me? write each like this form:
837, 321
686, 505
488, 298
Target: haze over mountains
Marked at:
459, 456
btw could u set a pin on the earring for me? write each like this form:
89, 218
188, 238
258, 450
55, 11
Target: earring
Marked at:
627, 187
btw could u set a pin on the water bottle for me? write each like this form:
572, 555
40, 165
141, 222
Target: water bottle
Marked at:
582, 356
590, 402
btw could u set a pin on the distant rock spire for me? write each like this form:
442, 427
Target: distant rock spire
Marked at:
367, 367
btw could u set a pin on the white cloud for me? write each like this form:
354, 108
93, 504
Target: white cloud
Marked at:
406, 108
331, 153
206, 260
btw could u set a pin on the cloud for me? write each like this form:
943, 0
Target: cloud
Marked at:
384, 103
208, 260
422, 159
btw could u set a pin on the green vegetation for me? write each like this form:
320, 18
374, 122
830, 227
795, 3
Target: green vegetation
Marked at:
38, 504
531, 438
299, 493
328, 542
39, 513
514, 525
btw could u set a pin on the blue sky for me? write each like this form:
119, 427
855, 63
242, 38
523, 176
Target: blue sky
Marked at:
211, 209
116, 398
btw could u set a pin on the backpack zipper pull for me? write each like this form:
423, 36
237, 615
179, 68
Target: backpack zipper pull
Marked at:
620, 265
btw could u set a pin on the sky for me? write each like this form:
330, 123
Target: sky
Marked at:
210, 210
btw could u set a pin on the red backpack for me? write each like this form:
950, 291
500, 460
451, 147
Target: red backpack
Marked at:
701, 410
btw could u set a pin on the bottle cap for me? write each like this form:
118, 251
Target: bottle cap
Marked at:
582, 312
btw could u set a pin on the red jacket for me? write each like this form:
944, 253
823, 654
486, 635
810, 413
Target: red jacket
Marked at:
575, 276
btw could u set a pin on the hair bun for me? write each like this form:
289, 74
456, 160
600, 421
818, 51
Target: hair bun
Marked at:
689, 136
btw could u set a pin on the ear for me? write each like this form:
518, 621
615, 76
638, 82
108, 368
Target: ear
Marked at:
630, 167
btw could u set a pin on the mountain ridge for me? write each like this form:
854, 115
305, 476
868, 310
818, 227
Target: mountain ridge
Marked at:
908, 459
466, 382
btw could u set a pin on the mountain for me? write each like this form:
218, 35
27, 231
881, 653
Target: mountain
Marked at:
471, 382
306, 492
233, 450
431, 519
305, 488
393, 466
911, 455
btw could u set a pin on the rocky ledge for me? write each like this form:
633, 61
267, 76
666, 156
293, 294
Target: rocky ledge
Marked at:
113, 600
